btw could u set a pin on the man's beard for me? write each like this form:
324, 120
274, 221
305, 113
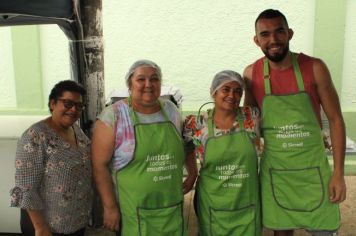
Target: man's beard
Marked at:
279, 56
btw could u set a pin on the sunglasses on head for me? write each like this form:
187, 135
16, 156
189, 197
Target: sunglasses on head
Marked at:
69, 104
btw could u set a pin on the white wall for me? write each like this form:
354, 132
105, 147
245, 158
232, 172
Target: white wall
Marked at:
9, 216
10, 132
192, 40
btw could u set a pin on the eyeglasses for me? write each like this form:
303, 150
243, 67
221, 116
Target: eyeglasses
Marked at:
69, 104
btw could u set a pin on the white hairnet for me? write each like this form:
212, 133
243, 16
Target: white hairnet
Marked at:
224, 77
140, 63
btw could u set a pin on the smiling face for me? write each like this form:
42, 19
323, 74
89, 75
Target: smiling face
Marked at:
145, 87
228, 96
272, 36
64, 115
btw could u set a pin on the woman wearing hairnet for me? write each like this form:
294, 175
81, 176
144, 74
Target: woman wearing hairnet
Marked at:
139, 138
225, 139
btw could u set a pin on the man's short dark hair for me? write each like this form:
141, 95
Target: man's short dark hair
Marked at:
270, 14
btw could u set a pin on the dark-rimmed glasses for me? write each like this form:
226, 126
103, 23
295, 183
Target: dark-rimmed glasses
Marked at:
68, 104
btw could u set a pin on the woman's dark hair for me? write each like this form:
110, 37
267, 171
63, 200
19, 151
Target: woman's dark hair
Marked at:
64, 86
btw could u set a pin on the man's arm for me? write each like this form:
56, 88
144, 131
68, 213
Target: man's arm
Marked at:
331, 105
249, 99
102, 149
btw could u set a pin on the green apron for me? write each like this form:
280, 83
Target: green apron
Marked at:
228, 199
150, 186
295, 172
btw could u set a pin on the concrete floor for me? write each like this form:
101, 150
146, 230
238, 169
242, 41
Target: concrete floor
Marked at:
348, 215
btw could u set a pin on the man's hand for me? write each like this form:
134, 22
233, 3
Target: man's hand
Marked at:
337, 189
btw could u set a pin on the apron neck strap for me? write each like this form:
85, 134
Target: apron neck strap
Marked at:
297, 72
240, 119
266, 77
211, 123
133, 115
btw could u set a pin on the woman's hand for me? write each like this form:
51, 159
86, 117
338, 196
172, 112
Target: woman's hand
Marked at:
111, 219
39, 223
188, 183
191, 166
43, 230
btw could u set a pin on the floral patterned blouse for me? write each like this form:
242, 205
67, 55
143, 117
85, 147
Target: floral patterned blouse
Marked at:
54, 177
195, 129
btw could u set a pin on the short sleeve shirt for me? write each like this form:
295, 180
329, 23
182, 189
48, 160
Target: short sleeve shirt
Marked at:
117, 116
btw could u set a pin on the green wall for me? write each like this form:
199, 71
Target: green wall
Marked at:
350, 122
329, 36
26, 49
329, 46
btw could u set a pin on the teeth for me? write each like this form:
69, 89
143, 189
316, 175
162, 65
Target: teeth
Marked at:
275, 48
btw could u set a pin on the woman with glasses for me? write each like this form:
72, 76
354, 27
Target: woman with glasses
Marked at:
137, 143
225, 140
53, 168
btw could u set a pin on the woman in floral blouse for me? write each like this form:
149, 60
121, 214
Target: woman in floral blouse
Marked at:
225, 139
53, 168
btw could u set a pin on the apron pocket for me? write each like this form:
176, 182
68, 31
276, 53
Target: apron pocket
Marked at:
297, 189
233, 222
161, 221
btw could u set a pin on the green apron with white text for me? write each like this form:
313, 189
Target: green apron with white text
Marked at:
295, 172
150, 186
228, 199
